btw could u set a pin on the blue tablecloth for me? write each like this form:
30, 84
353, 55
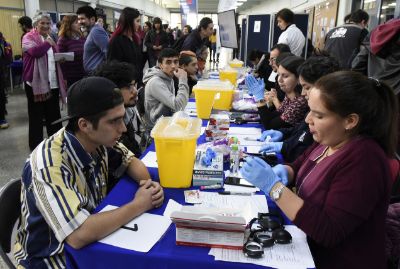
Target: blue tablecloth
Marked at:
164, 254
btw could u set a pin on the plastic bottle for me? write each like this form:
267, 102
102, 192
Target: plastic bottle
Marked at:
234, 168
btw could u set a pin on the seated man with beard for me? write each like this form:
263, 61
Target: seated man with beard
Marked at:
125, 76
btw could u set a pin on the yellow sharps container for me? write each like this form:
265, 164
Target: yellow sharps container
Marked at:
175, 140
205, 93
230, 74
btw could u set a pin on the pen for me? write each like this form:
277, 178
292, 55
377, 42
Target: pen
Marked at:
135, 227
239, 184
211, 187
235, 193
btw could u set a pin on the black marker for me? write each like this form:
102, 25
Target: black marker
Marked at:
134, 229
235, 193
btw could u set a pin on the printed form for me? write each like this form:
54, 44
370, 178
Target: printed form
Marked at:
295, 255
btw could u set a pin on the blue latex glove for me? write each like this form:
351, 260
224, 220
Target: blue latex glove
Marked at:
260, 174
272, 147
207, 159
282, 173
275, 136
250, 81
256, 87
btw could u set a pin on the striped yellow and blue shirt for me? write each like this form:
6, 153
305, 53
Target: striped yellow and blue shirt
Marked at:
61, 186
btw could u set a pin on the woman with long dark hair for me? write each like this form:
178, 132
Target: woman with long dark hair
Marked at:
126, 41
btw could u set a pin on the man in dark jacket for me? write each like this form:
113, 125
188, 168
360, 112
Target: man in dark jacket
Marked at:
344, 42
198, 37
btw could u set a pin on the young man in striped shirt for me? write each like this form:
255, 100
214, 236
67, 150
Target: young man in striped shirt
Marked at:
66, 177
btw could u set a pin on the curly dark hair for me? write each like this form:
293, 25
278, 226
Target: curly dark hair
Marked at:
317, 66
120, 73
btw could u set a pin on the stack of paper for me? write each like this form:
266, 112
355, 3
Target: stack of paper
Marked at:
248, 206
294, 255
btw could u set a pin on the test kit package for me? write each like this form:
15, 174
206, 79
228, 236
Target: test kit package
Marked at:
218, 127
200, 227
204, 175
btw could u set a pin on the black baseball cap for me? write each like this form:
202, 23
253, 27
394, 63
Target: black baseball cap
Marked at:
90, 96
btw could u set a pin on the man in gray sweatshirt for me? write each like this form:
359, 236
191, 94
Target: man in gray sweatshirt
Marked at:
160, 99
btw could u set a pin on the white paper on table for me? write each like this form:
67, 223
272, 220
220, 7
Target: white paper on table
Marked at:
244, 131
235, 188
190, 105
191, 109
150, 159
250, 206
294, 255
253, 149
150, 229
248, 140
171, 207
67, 56
202, 130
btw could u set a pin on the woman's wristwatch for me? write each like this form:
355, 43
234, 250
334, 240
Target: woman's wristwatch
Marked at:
276, 191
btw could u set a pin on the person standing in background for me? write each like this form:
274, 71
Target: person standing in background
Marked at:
235, 54
213, 45
171, 39
96, 45
292, 36
5, 59
43, 80
126, 41
199, 37
344, 42
156, 40
26, 25
179, 42
71, 40
146, 30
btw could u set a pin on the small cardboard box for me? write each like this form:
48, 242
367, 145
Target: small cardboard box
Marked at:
217, 127
219, 121
207, 228
208, 175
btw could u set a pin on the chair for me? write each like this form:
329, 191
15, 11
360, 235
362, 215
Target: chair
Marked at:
10, 210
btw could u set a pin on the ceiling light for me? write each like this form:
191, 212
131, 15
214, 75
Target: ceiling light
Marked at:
392, 4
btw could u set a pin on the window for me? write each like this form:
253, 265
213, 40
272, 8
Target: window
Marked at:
371, 7
387, 13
